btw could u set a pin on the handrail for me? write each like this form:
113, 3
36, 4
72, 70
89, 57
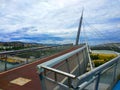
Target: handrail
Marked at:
96, 71
59, 72
22, 50
59, 59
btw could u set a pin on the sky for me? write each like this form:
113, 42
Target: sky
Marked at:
56, 21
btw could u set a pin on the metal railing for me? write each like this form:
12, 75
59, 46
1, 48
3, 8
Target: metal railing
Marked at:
62, 73
101, 78
59, 73
15, 58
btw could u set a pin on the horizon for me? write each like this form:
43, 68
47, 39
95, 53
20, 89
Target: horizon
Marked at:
107, 43
56, 21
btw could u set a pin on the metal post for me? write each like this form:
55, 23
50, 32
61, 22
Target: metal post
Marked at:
42, 81
97, 82
55, 75
68, 66
6, 62
27, 59
69, 82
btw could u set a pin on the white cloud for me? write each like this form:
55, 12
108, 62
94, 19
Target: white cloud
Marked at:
57, 42
59, 18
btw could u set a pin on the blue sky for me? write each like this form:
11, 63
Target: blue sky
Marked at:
56, 21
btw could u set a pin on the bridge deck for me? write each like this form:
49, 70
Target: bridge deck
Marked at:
27, 73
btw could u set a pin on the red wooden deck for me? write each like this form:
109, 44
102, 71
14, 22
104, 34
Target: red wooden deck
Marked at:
28, 71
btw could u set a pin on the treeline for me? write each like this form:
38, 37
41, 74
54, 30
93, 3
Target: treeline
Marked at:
10, 48
16, 45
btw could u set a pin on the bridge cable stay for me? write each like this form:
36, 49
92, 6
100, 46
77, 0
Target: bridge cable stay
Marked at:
88, 49
100, 34
104, 41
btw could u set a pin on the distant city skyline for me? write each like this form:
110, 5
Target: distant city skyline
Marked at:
56, 21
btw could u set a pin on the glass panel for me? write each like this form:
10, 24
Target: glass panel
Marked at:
49, 84
52, 85
118, 71
63, 66
106, 79
72, 61
21, 58
91, 86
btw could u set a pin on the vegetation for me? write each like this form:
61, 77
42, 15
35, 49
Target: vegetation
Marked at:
6, 46
12, 61
99, 59
12, 48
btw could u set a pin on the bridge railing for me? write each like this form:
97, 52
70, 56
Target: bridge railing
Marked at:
101, 78
15, 58
68, 72
60, 72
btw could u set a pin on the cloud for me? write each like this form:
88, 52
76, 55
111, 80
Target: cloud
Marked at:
26, 20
